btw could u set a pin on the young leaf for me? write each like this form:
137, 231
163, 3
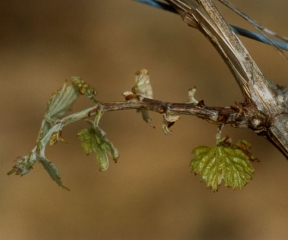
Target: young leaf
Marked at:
94, 140
52, 171
191, 94
142, 86
59, 103
168, 122
222, 162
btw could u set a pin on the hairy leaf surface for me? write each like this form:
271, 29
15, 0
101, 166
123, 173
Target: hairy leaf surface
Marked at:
61, 101
52, 170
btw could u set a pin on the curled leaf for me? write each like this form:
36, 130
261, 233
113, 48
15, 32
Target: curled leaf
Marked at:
222, 163
142, 86
168, 122
94, 140
191, 94
143, 89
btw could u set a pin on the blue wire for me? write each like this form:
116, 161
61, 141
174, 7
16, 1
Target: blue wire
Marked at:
160, 5
258, 37
240, 31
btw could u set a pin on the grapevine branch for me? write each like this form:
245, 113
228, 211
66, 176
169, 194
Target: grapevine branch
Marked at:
264, 109
236, 116
94, 139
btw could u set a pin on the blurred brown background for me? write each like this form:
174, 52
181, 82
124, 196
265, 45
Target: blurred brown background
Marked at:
150, 193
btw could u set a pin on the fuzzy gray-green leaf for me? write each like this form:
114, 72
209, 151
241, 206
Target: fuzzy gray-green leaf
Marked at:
52, 171
59, 103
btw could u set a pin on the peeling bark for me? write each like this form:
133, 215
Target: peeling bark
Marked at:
266, 106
